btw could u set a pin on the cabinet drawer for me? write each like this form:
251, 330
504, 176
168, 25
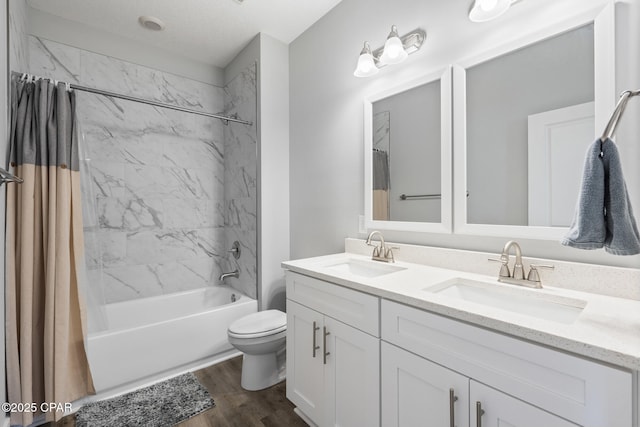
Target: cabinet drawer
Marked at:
346, 305
585, 392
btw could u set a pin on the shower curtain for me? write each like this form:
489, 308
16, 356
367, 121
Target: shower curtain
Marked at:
45, 316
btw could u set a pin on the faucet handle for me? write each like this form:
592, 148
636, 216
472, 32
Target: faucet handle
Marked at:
534, 275
504, 268
389, 253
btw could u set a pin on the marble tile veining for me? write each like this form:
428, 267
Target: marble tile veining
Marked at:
240, 177
18, 41
167, 192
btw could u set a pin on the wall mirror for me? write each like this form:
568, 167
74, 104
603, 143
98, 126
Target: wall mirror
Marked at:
524, 116
408, 156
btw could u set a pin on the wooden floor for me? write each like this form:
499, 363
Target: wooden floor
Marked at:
235, 406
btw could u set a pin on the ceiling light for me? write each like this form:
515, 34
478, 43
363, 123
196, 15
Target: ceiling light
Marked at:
366, 63
395, 50
151, 23
485, 10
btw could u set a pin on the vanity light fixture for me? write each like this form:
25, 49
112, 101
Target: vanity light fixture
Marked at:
395, 50
486, 10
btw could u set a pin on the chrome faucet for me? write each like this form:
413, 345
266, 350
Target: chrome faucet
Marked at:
517, 277
234, 273
380, 252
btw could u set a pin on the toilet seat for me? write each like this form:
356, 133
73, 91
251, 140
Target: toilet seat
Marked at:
260, 324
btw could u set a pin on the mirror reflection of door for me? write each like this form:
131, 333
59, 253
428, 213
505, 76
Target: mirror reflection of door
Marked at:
407, 155
557, 140
502, 93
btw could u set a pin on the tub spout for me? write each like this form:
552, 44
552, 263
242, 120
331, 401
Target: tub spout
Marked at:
234, 273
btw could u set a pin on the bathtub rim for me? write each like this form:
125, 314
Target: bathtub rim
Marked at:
241, 298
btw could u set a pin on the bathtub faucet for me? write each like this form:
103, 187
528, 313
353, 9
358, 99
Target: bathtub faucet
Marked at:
234, 273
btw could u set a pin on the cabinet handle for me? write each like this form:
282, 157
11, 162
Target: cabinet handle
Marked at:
315, 347
452, 399
479, 414
324, 344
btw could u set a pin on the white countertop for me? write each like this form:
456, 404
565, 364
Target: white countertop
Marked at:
607, 329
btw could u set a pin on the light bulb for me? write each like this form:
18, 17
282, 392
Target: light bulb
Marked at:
488, 5
485, 10
366, 64
393, 52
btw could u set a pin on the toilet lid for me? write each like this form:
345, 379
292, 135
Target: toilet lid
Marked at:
266, 322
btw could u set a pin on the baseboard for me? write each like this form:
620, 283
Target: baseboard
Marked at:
304, 417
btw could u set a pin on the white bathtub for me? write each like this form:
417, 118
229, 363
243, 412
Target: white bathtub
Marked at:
159, 336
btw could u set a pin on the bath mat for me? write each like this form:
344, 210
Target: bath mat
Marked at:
160, 405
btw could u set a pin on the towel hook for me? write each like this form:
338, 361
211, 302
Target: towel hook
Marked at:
610, 129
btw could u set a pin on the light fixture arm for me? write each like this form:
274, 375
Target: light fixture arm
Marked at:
366, 49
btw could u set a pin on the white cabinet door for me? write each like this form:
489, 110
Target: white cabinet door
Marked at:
333, 370
491, 408
305, 371
352, 376
417, 392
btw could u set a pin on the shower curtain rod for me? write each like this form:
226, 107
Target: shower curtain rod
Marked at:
224, 118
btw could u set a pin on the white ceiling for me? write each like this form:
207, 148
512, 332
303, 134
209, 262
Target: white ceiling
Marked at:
209, 31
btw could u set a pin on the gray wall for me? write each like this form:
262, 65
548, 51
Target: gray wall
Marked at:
14, 14
4, 111
327, 115
273, 170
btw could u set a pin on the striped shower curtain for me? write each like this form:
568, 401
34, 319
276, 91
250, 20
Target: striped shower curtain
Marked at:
45, 326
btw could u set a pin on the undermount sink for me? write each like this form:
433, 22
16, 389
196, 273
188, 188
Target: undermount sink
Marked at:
363, 268
523, 301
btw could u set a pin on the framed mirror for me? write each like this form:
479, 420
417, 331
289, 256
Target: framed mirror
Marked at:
407, 156
525, 114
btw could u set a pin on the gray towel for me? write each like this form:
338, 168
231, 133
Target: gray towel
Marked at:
603, 216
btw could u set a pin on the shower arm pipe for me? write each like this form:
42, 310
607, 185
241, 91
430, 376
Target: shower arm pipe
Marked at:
222, 117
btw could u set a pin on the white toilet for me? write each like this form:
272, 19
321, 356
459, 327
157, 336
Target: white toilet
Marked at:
261, 337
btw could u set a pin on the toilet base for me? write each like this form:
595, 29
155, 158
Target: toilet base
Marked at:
260, 371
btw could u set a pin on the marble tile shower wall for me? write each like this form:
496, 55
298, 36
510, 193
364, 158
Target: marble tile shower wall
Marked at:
240, 177
154, 212
18, 42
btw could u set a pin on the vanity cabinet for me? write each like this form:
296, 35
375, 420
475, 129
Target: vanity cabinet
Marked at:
354, 359
491, 408
415, 389
515, 382
333, 353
